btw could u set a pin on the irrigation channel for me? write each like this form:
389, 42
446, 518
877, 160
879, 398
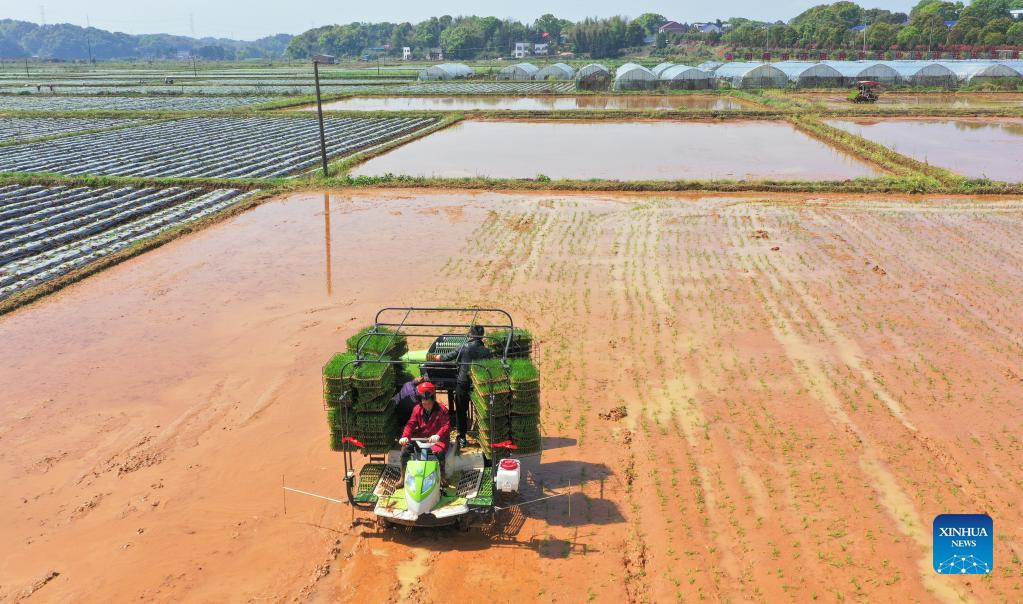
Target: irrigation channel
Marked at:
795, 371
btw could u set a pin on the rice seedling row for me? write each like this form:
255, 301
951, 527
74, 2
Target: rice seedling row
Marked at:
29, 102
25, 128
491, 87
145, 213
224, 147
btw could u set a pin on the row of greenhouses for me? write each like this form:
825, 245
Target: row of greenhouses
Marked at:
831, 74
518, 72
802, 74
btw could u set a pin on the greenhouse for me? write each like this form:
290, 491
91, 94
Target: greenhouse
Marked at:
593, 77
1016, 66
661, 67
976, 72
709, 65
751, 75
810, 75
446, 71
631, 76
519, 71
855, 71
923, 73
683, 77
557, 71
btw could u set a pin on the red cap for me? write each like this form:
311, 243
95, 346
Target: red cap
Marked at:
426, 388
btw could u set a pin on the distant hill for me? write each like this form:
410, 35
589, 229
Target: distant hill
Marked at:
63, 41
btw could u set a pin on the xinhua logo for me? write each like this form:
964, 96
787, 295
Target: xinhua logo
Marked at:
963, 544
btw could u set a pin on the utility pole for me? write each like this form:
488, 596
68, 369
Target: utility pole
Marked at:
42, 14
319, 115
26, 67
864, 41
191, 24
88, 37
195, 72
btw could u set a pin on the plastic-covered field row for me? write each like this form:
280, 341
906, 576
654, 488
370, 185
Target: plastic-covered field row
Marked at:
61, 102
207, 90
144, 214
300, 80
491, 87
221, 147
25, 128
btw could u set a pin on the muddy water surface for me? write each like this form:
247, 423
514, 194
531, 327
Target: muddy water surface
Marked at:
653, 150
960, 100
976, 148
562, 103
795, 372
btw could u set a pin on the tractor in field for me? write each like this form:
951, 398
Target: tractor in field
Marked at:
455, 484
867, 91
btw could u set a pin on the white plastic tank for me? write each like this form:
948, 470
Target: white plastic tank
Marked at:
508, 471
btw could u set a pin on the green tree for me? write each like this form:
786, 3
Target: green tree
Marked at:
987, 10
882, 36
651, 22
550, 24
948, 11
401, 36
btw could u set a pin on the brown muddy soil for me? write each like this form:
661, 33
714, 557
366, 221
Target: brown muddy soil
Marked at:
796, 418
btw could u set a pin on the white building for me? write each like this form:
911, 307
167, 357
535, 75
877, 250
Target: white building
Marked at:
522, 49
541, 49
406, 53
707, 28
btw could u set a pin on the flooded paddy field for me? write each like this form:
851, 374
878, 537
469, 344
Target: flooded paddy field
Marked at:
963, 100
977, 148
796, 372
521, 103
650, 150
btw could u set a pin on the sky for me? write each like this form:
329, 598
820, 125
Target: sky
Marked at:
257, 18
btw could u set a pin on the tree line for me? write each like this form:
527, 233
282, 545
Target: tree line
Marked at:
930, 25
68, 42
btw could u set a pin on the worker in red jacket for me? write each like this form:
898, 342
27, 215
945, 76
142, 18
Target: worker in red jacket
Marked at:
429, 419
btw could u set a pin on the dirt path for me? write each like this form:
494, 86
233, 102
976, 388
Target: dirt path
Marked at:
795, 417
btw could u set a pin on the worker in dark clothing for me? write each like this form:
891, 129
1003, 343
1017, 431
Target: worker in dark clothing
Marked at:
472, 350
406, 400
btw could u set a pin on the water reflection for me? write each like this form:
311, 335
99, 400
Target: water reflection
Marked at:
646, 150
326, 240
975, 148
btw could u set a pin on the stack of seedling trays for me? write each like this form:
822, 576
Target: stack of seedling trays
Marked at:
491, 387
338, 392
520, 347
363, 394
525, 405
